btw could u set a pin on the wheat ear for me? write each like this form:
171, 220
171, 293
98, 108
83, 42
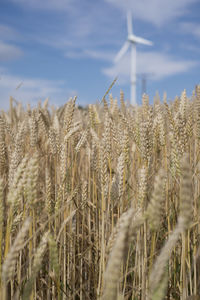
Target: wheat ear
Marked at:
36, 266
117, 255
9, 263
184, 220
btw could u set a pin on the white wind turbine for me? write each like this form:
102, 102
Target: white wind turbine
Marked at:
132, 40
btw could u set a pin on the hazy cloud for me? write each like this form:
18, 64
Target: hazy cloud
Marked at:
191, 28
155, 11
9, 52
100, 55
82, 28
32, 90
59, 5
86, 26
157, 64
8, 33
93, 54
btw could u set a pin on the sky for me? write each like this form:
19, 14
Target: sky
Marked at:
64, 48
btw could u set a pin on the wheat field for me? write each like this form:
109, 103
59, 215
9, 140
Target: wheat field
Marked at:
101, 202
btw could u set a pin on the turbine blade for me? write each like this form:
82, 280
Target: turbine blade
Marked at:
139, 40
129, 22
122, 51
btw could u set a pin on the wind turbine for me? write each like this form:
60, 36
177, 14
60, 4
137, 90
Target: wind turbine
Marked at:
132, 40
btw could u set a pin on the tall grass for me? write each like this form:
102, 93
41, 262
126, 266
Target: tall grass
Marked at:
101, 202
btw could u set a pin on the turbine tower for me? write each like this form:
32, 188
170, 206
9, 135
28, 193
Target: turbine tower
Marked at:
132, 40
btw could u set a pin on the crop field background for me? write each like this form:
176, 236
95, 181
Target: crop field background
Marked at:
101, 202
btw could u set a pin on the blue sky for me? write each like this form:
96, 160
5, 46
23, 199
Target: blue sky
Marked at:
62, 48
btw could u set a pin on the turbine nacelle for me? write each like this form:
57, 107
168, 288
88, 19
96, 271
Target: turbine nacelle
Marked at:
138, 40
132, 39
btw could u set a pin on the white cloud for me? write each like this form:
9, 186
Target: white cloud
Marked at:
9, 52
156, 12
159, 65
162, 65
32, 90
93, 54
106, 56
